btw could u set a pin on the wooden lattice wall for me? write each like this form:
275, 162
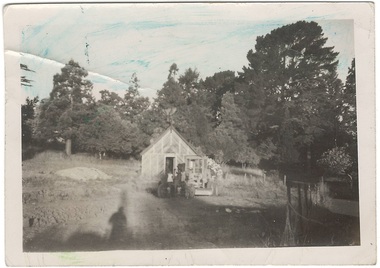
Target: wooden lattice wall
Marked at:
168, 144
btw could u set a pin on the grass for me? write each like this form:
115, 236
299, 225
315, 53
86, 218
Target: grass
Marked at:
41, 184
40, 172
251, 183
49, 162
255, 172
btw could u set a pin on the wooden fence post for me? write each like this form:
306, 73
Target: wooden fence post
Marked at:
288, 234
288, 194
300, 221
322, 190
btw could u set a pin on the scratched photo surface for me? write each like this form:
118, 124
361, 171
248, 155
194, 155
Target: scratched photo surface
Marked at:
156, 127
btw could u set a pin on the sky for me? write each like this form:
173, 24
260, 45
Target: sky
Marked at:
114, 41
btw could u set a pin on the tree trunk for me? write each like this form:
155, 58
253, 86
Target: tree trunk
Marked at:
68, 147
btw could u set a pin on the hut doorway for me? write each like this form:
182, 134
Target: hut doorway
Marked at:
169, 165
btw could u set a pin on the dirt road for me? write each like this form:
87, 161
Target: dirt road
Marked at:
115, 215
150, 223
107, 205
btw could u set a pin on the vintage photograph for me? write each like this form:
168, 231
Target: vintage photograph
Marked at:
186, 126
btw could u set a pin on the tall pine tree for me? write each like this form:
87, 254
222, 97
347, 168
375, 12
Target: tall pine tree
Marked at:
229, 137
293, 74
69, 106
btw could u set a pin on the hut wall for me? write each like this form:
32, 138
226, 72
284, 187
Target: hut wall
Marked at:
168, 145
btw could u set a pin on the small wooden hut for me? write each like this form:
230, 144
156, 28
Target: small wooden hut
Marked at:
165, 153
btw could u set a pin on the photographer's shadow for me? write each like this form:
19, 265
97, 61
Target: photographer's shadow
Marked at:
118, 221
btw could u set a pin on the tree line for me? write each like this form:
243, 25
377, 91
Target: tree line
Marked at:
286, 108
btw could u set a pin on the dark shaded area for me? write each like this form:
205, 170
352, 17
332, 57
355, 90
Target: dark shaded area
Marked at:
343, 190
193, 223
31, 221
238, 227
29, 151
49, 242
119, 225
82, 242
333, 229
261, 227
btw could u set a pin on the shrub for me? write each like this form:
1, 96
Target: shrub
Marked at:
335, 161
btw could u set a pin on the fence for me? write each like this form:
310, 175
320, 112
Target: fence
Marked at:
302, 197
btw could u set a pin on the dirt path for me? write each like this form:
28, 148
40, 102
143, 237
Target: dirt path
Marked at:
149, 223
127, 218
344, 207
202, 222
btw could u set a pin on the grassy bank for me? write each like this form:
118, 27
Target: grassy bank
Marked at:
251, 183
40, 171
51, 161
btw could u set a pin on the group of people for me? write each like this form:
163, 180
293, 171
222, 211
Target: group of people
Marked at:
175, 180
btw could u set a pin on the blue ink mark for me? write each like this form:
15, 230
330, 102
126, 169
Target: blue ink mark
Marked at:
117, 63
97, 79
141, 63
36, 30
151, 25
45, 52
119, 87
30, 32
112, 27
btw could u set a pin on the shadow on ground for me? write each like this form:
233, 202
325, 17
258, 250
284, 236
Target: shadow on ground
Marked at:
179, 223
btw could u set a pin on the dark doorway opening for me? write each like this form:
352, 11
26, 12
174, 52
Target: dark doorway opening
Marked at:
169, 165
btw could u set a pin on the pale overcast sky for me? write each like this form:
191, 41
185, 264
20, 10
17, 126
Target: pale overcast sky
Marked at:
114, 41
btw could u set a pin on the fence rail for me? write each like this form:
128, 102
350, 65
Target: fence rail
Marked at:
302, 197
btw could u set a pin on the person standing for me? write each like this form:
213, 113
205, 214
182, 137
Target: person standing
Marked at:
176, 182
170, 183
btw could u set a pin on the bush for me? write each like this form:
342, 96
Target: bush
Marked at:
335, 161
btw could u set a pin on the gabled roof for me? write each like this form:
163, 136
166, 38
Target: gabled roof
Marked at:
171, 128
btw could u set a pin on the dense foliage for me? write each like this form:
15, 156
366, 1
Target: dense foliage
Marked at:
286, 108
335, 161
27, 116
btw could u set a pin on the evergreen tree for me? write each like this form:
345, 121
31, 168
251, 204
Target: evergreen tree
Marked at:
171, 95
68, 107
27, 115
292, 73
229, 137
106, 132
348, 107
189, 82
216, 86
111, 99
134, 104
